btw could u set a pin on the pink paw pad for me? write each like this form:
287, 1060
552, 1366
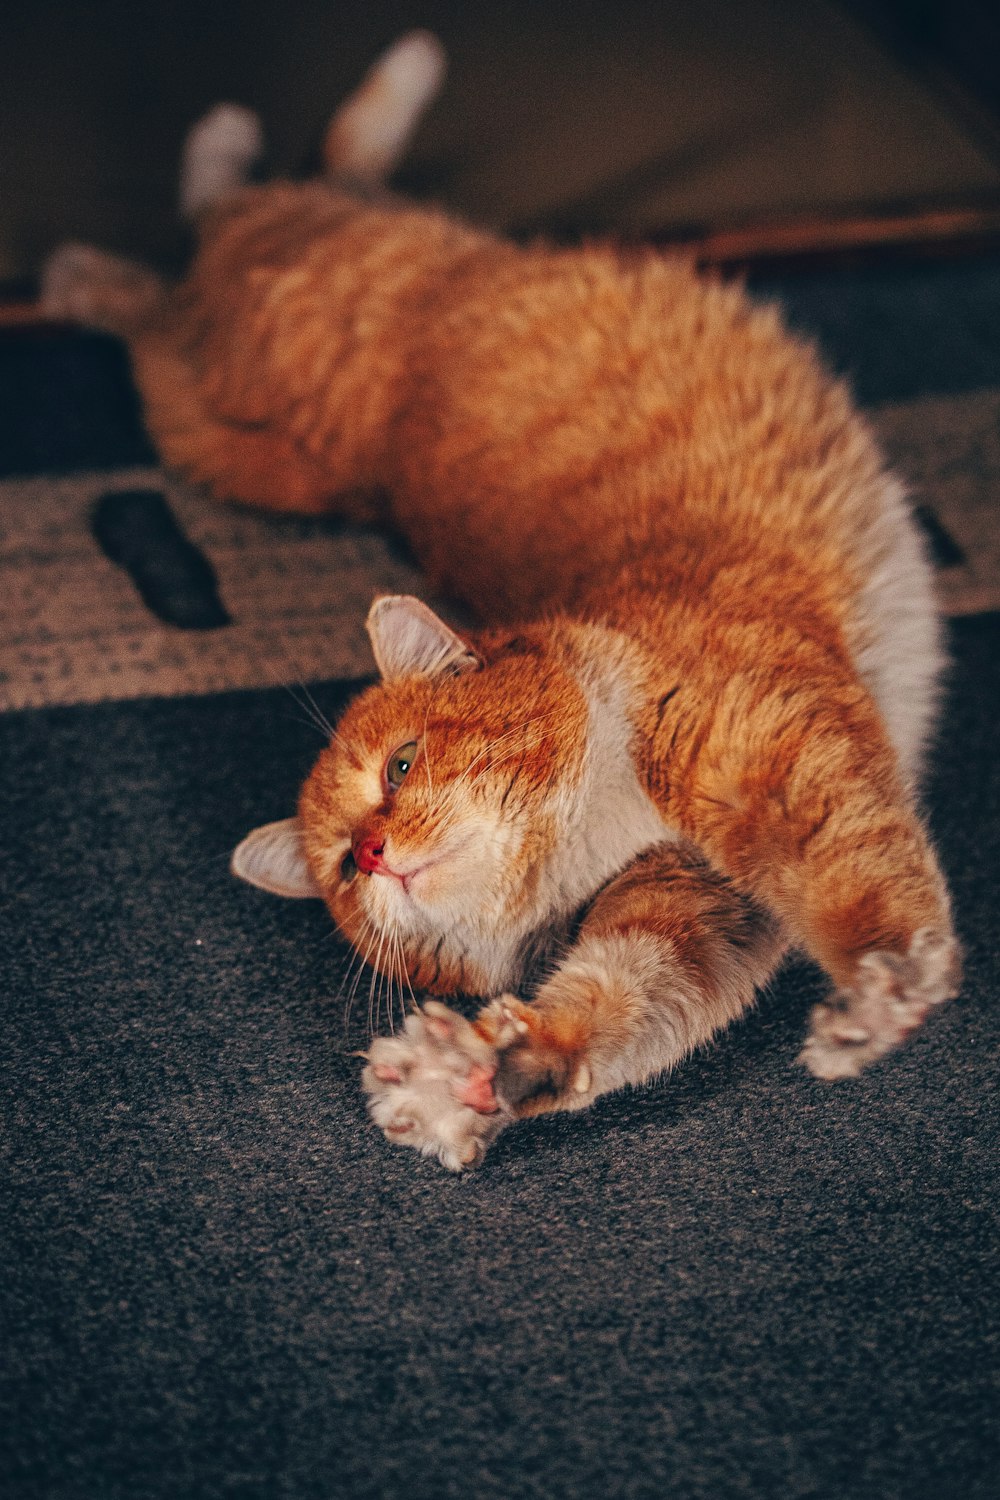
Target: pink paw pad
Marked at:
476, 1090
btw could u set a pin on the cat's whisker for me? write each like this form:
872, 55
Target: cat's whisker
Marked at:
365, 958
379, 939
312, 719
409, 983
317, 717
390, 976
404, 975
385, 981
376, 975
320, 715
427, 750
356, 967
399, 970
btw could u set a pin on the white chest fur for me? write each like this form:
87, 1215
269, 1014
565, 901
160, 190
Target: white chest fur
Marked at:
609, 818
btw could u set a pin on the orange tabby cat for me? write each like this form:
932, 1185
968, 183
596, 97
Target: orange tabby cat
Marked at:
690, 733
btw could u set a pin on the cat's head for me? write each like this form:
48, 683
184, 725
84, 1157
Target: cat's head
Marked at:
431, 824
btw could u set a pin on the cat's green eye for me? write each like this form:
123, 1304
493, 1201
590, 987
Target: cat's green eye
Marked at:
399, 763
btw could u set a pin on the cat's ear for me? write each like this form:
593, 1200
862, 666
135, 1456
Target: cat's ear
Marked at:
271, 857
408, 638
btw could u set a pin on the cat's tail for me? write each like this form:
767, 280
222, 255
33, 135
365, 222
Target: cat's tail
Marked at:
86, 285
370, 132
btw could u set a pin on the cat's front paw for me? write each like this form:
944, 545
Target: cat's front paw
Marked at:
890, 998
431, 1087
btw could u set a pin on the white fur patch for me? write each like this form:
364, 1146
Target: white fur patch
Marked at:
609, 818
896, 639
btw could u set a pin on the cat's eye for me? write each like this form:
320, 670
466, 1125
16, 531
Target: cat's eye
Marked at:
399, 763
348, 867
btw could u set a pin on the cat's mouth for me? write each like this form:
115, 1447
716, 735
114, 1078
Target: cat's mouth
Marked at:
383, 869
407, 872
405, 878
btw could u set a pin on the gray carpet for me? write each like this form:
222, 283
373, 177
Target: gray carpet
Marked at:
220, 1281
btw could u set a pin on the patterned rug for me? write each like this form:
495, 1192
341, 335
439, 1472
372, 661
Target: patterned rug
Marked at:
295, 593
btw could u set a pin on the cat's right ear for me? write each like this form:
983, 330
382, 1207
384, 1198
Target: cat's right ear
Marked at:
409, 639
272, 858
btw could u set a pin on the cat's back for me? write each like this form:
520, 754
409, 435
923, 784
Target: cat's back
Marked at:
531, 369
524, 399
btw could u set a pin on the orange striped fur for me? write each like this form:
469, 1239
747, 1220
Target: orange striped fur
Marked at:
688, 729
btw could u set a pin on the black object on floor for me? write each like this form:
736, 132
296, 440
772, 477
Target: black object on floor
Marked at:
221, 1281
138, 531
942, 546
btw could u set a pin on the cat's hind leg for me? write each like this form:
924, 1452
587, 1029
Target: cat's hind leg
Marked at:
253, 463
668, 955
370, 132
85, 285
220, 152
257, 464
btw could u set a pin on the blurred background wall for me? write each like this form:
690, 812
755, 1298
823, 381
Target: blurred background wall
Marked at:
631, 115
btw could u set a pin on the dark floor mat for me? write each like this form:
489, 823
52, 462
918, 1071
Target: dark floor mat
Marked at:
220, 1281
68, 403
901, 331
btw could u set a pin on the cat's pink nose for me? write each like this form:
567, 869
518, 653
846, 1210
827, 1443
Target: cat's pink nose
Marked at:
368, 850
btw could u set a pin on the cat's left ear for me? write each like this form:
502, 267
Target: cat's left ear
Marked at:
272, 858
408, 638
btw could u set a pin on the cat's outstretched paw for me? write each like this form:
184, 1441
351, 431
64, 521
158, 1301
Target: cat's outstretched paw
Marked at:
431, 1087
890, 998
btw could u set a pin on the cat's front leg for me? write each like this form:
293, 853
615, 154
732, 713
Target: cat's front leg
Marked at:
889, 997
798, 796
668, 954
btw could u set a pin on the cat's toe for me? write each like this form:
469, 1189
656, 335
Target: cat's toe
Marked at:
431, 1087
835, 1047
889, 999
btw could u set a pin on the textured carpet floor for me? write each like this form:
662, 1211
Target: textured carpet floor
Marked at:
219, 1281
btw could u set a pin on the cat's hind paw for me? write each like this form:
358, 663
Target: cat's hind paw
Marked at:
890, 998
86, 285
431, 1087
